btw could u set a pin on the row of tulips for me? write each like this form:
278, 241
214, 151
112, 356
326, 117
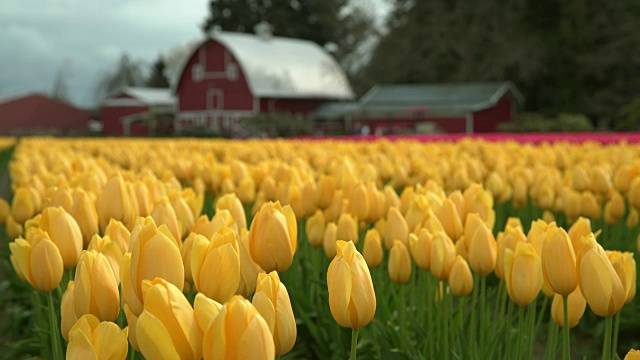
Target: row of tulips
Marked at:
154, 262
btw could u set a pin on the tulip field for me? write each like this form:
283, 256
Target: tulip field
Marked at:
319, 249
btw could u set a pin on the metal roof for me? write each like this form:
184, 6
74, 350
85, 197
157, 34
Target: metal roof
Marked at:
151, 96
437, 98
336, 110
286, 68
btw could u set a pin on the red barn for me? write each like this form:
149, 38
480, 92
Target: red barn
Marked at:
449, 108
37, 114
231, 76
138, 111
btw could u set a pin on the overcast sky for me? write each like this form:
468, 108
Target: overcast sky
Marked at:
88, 37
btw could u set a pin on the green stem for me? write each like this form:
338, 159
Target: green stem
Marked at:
552, 341
616, 331
445, 320
508, 328
54, 331
543, 312
430, 310
132, 353
566, 349
472, 322
606, 348
520, 332
531, 328
403, 317
483, 316
354, 342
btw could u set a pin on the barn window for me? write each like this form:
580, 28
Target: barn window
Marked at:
197, 72
232, 72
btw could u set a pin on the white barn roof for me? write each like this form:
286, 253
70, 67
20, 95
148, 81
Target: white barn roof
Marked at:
143, 96
281, 67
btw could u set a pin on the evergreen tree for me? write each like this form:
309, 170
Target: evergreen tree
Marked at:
157, 78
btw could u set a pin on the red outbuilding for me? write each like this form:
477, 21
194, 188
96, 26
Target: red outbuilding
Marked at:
231, 76
443, 108
37, 114
138, 111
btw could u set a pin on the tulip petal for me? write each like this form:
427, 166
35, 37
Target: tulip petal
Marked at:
205, 310
46, 266
154, 338
256, 342
80, 346
339, 285
110, 342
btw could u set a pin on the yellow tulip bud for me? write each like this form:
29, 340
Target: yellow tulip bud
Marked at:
359, 204
22, 205
67, 314
460, 278
96, 288
220, 220
232, 203
600, 180
524, 263
85, 214
64, 232
559, 262
614, 208
634, 193
443, 255
352, 299
406, 197
632, 218
272, 302
632, 355
5, 211
576, 304
114, 202
548, 216
590, 206
37, 261
478, 200
185, 216
372, 250
399, 263
308, 193
509, 240
139, 194
325, 189
185, 252
625, 267
119, 234
249, 327
338, 206
395, 228
132, 322
329, 240
519, 192
273, 238
347, 228
91, 339
607, 295
420, 246
473, 222
482, 251
14, 229
110, 249
450, 220
205, 310
167, 328
249, 270
154, 253
61, 197
580, 228
163, 213
194, 199
391, 198
215, 265
315, 228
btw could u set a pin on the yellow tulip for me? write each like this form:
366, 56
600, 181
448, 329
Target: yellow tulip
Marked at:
625, 266
632, 218
443, 255
406, 197
634, 193
249, 270
163, 213
111, 251
91, 339
395, 228
132, 322
399, 263
67, 313
96, 288
509, 240
154, 253
61, 197
194, 199
114, 202
232, 203
580, 228
519, 192
140, 195
205, 310
482, 251
347, 228
5, 211
246, 190
352, 299
614, 208
308, 194
272, 302
559, 262
472, 223
359, 204
591, 207
22, 205
450, 220
607, 295
460, 278
207, 228
372, 250
14, 229
64, 232
632, 355
85, 214
600, 180
119, 234
167, 328
391, 198
185, 216
478, 200
215, 265
576, 304
38, 261
523, 263
338, 205
325, 188
315, 228
420, 246
329, 240
247, 338
273, 238
185, 252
